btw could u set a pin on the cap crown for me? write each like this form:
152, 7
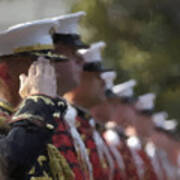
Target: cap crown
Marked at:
26, 37
36, 35
146, 102
160, 121
159, 118
109, 78
170, 125
124, 89
69, 23
92, 54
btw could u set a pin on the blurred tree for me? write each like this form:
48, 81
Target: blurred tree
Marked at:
143, 40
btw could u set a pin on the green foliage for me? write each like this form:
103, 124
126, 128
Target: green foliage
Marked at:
143, 41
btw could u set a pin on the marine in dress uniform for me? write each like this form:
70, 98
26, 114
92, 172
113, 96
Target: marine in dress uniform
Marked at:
144, 107
162, 143
33, 124
118, 142
67, 40
142, 161
92, 69
36, 42
86, 127
111, 133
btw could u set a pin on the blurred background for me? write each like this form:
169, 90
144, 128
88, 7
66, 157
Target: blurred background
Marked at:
143, 39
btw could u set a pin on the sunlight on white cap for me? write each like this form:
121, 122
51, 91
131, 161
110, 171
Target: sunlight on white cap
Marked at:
69, 23
146, 101
170, 124
92, 54
125, 89
159, 118
29, 36
109, 78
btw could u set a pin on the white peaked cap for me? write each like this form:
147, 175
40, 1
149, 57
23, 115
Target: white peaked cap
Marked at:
124, 89
93, 54
26, 37
159, 118
69, 23
109, 78
170, 125
146, 101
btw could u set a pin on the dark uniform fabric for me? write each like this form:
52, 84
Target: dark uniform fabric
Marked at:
130, 169
119, 172
86, 132
64, 143
6, 111
56, 161
149, 169
32, 126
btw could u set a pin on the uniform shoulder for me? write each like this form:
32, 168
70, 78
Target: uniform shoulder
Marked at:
6, 107
6, 110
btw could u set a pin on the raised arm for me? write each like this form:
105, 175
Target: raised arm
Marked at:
32, 124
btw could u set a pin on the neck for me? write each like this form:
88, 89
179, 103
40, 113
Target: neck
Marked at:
102, 112
65, 91
79, 98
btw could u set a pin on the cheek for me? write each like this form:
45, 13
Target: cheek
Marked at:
64, 68
76, 68
149, 125
97, 86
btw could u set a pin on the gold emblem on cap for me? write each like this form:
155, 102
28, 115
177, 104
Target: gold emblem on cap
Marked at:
37, 47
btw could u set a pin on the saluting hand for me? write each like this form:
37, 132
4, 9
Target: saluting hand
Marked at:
41, 79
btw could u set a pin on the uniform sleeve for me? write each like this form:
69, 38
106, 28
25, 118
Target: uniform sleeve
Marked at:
6, 111
32, 125
5, 107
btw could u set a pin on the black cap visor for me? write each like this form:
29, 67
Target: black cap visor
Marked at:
95, 67
70, 39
